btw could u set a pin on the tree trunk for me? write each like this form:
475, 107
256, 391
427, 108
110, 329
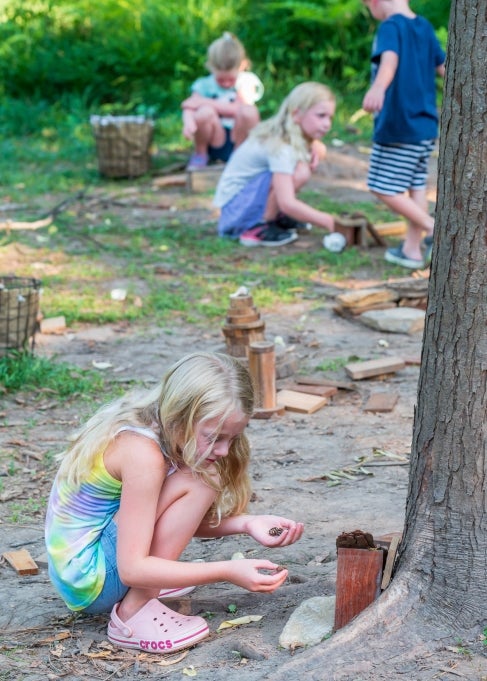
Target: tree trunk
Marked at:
439, 591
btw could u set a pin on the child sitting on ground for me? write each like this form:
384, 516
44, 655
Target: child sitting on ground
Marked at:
221, 109
257, 189
144, 476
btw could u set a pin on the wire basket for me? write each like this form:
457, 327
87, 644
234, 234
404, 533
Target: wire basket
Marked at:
122, 144
19, 308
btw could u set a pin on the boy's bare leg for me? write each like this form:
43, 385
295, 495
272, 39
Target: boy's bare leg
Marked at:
413, 208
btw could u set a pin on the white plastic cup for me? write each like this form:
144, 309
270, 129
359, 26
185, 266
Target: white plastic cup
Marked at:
334, 242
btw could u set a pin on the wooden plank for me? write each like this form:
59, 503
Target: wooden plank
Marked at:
300, 402
391, 557
381, 401
22, 562
366, 297
320, 390
359, 576
374, 367
397, 228
311, 380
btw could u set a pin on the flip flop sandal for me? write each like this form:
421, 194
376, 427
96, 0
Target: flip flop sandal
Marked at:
178, 592
156, 629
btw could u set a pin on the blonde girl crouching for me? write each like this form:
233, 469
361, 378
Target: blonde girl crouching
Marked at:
144, 476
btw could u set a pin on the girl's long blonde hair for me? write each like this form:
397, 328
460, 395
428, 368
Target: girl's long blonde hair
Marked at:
199, 387
283, 129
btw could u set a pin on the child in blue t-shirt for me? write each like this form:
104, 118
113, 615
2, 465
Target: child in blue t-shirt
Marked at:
406, 57
221, 109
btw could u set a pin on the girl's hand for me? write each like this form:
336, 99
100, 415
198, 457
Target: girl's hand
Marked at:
256, 575
318, 154
273, 531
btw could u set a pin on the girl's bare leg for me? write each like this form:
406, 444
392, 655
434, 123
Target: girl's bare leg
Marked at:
209, 130
183, 503
302, 173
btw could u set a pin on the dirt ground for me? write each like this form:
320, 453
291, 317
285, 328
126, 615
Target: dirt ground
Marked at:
41, 640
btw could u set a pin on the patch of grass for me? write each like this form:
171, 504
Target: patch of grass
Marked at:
27, 511
335, 364
23, 371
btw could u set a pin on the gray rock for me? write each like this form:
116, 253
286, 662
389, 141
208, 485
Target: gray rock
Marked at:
396, 319
310, 623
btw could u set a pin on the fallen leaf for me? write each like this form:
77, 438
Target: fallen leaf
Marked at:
240, 620
189, 671
172, 660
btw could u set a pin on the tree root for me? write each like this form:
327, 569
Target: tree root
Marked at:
390, 640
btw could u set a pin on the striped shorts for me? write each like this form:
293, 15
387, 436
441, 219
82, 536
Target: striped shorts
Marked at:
397, 168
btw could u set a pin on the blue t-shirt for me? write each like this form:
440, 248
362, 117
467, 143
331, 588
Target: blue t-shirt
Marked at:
409, 114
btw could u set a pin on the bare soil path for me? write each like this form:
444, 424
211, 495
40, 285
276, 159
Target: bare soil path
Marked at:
41, 640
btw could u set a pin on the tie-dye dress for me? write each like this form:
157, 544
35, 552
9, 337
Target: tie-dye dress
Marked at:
75, 519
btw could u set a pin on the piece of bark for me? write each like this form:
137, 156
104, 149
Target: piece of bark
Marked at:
390, 560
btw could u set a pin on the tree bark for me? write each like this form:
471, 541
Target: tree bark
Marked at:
439, 590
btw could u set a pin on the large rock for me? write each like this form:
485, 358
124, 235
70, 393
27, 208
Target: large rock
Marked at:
310, 623
395, 320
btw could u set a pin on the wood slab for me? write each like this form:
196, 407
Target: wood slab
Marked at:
22, 562
390, 560
374, 367
300, 402
381, 401
311, 380
320, 390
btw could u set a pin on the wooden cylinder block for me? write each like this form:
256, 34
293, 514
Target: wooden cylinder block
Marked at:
238, 337
262, 368
239, 302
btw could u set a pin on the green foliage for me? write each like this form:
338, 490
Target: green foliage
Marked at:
23, 371
147, 53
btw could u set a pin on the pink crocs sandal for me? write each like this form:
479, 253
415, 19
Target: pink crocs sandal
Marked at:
178, 592
156, 629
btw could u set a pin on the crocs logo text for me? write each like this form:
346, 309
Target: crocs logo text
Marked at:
156, 645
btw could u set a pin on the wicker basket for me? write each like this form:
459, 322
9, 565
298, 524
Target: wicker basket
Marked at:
122, 144
19, 307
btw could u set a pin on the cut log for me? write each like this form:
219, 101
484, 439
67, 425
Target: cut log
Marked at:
374, 367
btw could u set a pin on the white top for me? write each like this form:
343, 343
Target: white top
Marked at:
249, 160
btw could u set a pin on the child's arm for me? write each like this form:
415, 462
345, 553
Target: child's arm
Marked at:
260, 527
137, 461
289, 204
374, 97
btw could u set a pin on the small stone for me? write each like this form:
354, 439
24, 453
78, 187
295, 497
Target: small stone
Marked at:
310, 623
